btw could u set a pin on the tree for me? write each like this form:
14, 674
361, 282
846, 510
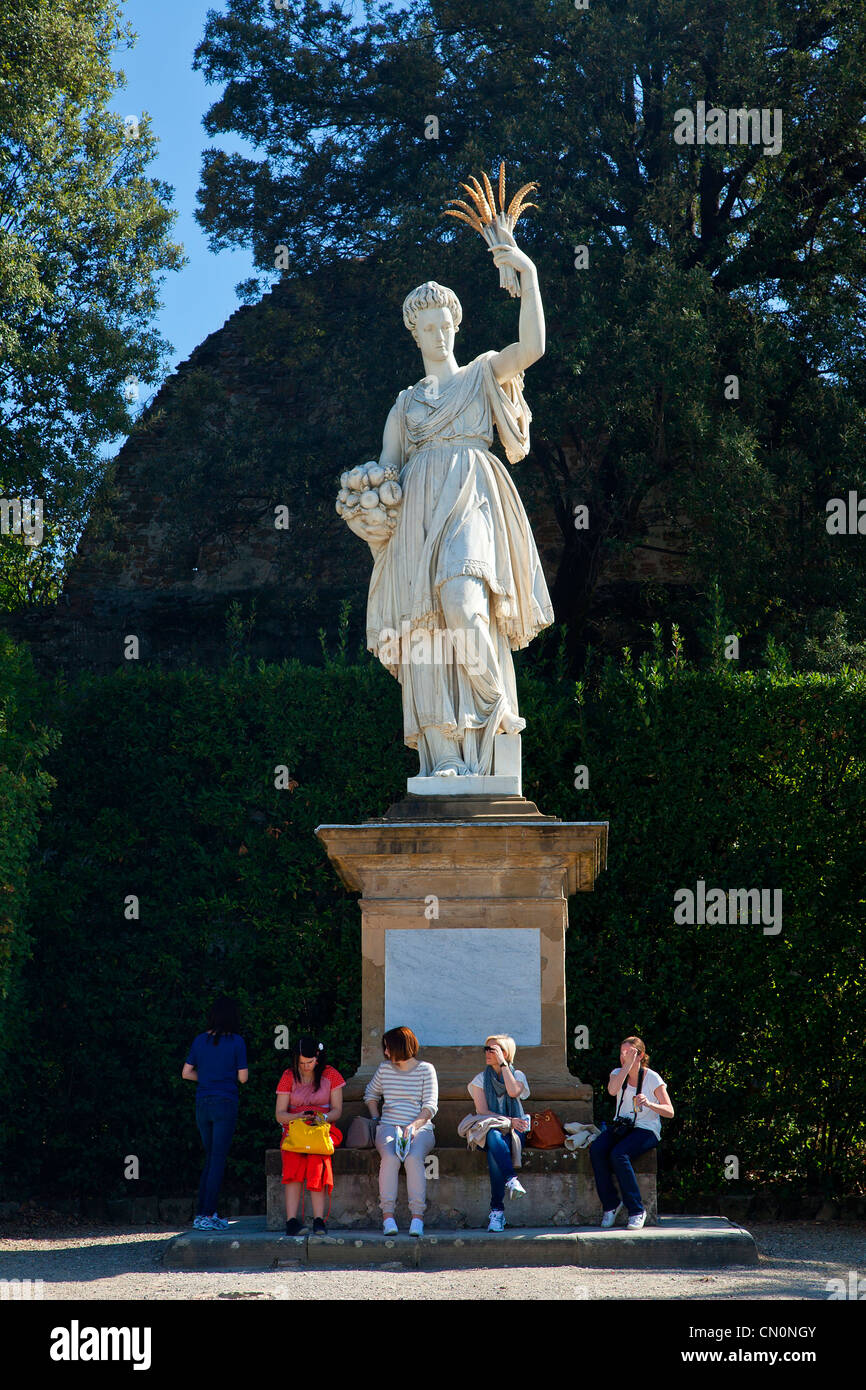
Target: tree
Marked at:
709, 355
84, 243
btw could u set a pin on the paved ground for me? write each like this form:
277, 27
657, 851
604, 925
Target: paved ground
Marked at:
86, 1262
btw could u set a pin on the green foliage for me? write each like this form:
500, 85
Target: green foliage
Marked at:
706, 262
24, 795
83, 247
165, 790
752, 780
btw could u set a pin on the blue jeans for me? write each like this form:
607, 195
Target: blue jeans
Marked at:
608, 1158
498, 1150
216, 1117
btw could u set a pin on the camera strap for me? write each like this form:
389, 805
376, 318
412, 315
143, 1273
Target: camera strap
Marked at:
637, 1091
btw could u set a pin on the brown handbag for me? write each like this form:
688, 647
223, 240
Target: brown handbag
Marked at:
546, 1131
362, 1133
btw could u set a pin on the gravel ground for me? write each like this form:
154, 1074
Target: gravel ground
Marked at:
78, 1261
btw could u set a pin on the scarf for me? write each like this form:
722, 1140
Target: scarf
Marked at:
499, 1102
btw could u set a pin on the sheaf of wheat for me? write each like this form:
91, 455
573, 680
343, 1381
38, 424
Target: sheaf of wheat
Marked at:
481, 215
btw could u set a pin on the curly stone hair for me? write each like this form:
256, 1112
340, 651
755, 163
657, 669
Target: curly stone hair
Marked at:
430, 296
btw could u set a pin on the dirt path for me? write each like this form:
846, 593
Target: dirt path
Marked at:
88, 1262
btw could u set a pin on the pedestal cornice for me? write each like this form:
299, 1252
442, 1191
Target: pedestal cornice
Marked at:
576, 849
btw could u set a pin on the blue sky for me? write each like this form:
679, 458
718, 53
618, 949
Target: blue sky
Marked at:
160, 80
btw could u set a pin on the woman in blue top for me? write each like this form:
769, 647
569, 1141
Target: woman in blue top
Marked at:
217, 1061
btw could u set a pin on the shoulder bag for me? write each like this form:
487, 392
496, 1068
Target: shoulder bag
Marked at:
546, 1131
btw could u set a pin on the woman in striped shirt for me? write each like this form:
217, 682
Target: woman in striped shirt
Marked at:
409, 1092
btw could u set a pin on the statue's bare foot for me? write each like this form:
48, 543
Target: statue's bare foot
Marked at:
456, 768
512, 724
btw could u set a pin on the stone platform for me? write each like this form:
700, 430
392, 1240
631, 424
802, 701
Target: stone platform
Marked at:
676, 1242
560, 1190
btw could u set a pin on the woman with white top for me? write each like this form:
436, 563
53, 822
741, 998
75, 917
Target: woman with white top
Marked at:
643, 1098
409, 1092
500, 1090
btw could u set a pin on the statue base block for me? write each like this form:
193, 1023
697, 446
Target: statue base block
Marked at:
463, 786
504, 781
560, 1191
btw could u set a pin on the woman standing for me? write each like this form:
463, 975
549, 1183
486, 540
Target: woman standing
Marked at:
500, 1090
409, 1092
309, 1086
642, 1097
217, 1061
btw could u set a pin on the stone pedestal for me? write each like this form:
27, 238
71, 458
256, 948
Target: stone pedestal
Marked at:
463, 921
464, 910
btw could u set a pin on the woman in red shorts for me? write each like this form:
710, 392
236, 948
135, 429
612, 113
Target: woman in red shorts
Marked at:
309, 1085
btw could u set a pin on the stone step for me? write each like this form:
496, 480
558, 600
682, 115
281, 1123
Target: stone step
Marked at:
676, 1242
560, 1190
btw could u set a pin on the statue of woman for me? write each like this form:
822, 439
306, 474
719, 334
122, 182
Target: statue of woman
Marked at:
460, 564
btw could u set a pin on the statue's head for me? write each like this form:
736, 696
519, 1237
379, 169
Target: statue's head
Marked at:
432, 314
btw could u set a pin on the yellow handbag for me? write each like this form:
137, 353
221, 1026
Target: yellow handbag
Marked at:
312, 1136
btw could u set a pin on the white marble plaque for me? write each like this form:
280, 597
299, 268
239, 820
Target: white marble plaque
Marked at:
457, 985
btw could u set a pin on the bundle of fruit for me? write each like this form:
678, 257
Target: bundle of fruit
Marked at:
371, 495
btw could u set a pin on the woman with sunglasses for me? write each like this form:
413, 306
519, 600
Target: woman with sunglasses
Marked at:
500, 1090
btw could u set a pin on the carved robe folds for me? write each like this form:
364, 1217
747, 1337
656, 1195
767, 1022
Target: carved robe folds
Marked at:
461, 516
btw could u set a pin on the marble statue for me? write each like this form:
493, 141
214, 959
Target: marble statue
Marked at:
457, 584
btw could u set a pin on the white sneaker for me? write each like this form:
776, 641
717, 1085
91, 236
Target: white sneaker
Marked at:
608, 1218
416, 1226
634, 1223
497, 1221
389, 1227
514, 1188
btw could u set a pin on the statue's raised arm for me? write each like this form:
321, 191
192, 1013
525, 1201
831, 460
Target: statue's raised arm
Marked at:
513, 360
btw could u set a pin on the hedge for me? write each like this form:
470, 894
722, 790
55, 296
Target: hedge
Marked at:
165, 793
25, 788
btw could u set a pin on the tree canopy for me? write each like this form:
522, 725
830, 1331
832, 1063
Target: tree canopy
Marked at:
84, 244
705, 352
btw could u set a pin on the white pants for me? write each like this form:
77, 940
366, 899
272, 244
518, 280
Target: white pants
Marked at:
389, 1167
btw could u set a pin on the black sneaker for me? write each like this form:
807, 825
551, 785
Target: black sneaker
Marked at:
319, 1227
294, 1227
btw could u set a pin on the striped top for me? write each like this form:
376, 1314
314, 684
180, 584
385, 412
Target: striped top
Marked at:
405, 1093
